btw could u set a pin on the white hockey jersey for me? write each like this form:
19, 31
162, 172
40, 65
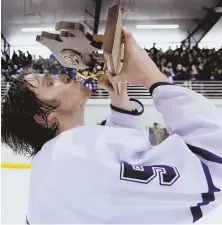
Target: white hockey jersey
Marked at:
111, 174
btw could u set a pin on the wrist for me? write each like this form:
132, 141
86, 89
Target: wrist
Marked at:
136, 105
155, 85
125, 106
123, 103
157, 79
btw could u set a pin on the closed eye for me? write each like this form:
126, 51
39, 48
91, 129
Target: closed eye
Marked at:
48, 80
51, 83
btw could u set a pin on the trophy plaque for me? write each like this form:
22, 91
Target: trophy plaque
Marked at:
76, 48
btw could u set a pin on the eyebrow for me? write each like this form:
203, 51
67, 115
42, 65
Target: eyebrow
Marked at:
36, 76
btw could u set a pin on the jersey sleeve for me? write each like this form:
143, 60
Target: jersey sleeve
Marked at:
193, 117
128, 119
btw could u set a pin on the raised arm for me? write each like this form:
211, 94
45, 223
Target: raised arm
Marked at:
185, 112
124, 112
192, 117
133, 118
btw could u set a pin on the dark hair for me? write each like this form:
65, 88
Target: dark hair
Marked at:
20, 131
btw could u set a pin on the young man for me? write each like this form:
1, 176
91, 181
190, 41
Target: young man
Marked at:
115, 176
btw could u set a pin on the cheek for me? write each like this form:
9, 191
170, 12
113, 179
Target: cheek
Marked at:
81, 94
51, 97
56, 96
74, 95
69, 96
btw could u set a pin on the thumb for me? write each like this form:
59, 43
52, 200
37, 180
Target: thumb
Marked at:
118, 82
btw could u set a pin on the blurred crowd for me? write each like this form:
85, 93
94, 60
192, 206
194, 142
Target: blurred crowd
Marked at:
19, 63
180, 64
188, 64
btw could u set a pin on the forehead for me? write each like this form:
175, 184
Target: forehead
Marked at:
34, 79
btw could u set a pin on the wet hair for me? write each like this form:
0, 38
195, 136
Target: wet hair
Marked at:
20, 131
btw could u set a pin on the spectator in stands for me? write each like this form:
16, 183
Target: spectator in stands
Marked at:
29, 58
15, 59
7, 57
218, 75
175, 59
180, 73
194, 74
4, 63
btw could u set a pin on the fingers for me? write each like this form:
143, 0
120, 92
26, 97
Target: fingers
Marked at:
105, 84
122, 87
115, 87
118, 82
115, 79
119, 79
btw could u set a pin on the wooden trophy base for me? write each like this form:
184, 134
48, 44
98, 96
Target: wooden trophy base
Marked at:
75, 48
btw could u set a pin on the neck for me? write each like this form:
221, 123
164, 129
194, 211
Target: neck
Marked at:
71, 120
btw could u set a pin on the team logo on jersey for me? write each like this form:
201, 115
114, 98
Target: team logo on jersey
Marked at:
167, 175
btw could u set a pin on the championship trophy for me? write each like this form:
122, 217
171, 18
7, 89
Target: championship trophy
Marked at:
76, 48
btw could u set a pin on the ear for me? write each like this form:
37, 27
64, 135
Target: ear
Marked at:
51, 119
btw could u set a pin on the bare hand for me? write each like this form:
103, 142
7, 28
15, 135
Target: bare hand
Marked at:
117, 93
138, 68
